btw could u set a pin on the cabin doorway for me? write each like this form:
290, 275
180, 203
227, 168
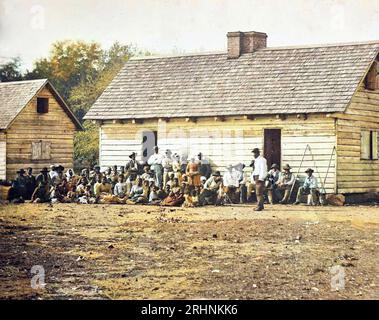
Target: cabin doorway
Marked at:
272, 146
149, 141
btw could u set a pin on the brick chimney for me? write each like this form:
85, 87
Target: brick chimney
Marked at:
245, 42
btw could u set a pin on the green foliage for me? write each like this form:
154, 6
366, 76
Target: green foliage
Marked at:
84, 95
80, 72
69, 64
11, 71
86, 145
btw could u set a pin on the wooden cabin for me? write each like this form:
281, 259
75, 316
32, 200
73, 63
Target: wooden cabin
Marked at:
36, 127
314, 106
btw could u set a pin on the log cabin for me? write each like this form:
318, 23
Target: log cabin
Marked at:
36, 127
308, 106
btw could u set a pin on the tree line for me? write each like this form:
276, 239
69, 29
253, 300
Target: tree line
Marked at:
80, 71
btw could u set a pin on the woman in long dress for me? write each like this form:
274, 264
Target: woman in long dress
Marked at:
193, 173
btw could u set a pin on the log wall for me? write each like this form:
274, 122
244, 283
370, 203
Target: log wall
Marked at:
3, 149
29, 126
356, 175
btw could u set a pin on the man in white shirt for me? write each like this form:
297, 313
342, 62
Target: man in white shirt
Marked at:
155, 162
53, 172
120, 187
310, 186
209, 194
229, 177
232, 178
259, 175
167, 166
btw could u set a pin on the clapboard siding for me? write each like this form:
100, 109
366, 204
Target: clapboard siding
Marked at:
320, 156
354, 174
228, 142
3, 150
29, 126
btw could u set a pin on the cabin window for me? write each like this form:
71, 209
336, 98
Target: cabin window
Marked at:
42, 105
372, 77
41, 150
369, 145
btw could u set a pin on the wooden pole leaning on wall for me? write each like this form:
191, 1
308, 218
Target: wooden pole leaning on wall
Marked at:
308, 147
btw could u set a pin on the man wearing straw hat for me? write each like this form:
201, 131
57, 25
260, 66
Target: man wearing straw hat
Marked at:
44, 177
18, 189
272, 184
309, 187
132, 163
209, 194
286, 180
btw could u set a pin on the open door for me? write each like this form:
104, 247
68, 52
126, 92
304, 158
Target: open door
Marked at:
272, 148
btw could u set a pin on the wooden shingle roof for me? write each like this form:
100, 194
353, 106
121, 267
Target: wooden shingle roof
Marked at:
15, 95
318, 79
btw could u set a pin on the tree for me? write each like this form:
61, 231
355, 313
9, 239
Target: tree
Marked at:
11, 71
86, 146
84, 95
81, 71
69, 64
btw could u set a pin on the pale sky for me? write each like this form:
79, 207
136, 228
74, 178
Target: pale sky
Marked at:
29, 27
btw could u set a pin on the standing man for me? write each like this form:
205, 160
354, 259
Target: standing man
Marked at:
204, 166
132, 164
155, 162
177, 166
259, 175
167, 166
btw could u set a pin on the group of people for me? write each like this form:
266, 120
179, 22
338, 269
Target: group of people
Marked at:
165, 179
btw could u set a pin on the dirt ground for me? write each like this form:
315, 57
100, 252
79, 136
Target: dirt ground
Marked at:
230, 252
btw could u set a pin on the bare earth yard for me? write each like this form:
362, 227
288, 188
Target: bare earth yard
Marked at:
143, 252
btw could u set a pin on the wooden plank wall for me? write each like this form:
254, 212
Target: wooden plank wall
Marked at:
118, 141
3, 148
228, 142
29, 126
354, 174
